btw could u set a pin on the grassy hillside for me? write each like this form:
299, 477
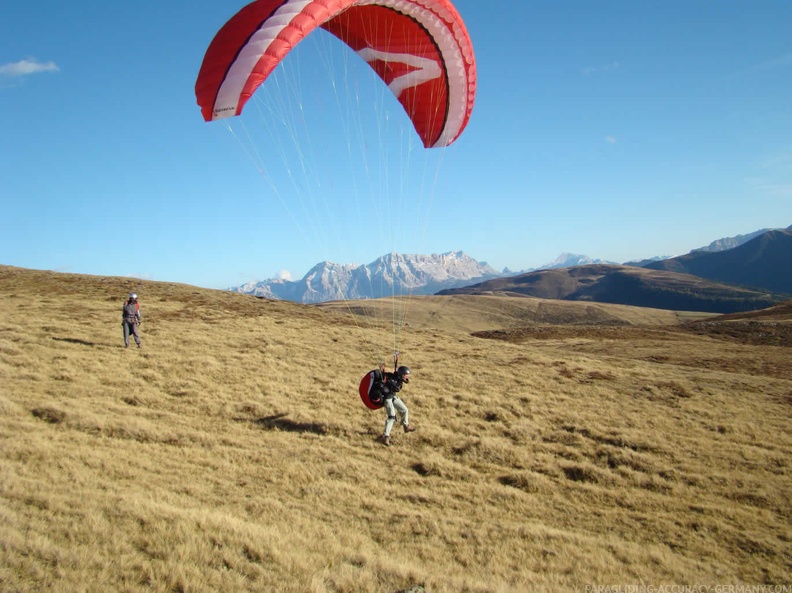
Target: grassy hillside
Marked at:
469, 313
762, 262
232, 453
627, 285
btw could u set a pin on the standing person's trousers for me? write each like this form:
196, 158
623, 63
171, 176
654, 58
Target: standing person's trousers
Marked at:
130, 327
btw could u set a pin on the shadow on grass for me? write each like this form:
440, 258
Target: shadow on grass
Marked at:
280, 422
78, 341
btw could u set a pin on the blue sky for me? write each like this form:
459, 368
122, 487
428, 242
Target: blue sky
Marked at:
616, 129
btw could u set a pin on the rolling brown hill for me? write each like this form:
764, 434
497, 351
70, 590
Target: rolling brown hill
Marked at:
781, 313
232, 452
770, 327
764, 262
471, 313
628, 286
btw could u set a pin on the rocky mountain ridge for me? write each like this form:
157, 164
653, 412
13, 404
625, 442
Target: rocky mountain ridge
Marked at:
401, 274
392, 274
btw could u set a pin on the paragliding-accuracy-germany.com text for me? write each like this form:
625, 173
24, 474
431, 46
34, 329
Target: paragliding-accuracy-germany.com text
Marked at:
688, 588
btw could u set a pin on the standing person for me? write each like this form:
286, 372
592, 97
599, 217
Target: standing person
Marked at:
389, 389
130, 319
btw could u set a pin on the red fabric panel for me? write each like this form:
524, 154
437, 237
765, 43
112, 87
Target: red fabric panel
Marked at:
224, 48
384, 29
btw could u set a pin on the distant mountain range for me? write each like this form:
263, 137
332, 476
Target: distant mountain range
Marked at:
732, 242
567, 260
763, 262
627, 285
754, 275
729, 275
392, 274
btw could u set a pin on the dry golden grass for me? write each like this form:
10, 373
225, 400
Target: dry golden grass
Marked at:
469, 313
232, 453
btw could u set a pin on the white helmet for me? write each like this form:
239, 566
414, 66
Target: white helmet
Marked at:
133, 295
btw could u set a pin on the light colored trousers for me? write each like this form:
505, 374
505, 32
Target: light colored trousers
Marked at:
391, 406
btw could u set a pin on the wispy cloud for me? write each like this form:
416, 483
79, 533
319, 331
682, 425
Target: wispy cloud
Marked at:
774, 175
775, 63
783, 190
139, 276
610, 139
594, 69
779, 161
27, 67
769, 65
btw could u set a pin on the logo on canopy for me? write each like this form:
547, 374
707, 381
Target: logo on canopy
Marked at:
401, 71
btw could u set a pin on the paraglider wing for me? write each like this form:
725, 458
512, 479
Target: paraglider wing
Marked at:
419, 48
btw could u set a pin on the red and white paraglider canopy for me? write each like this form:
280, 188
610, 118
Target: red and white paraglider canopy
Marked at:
419, 48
